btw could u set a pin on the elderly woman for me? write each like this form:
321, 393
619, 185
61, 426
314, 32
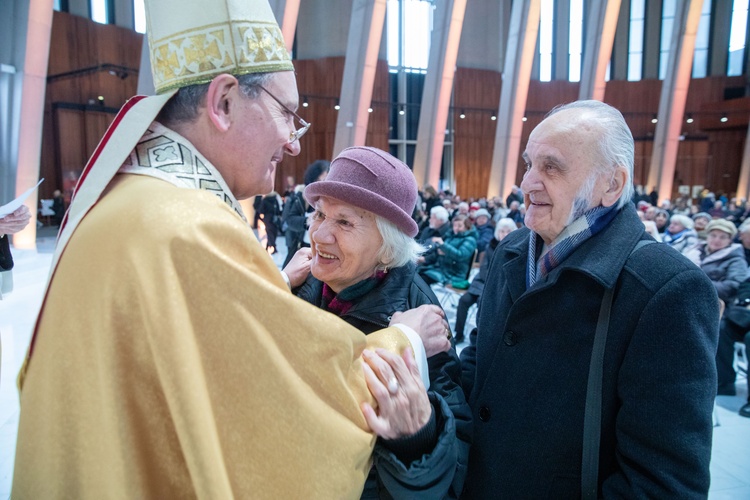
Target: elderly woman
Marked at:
454, 255
700, 221
503, 228
363, 270
680, 234
722, 261
661, 219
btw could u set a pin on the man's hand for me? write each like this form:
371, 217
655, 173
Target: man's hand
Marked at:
15, 222
429, 322
299, 267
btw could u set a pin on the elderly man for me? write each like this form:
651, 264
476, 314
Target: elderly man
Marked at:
170, 359
581, 385
438, 229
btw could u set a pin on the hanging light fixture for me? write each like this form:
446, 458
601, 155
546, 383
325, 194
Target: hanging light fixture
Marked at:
724, 119
305, 103
337, 106
689, 119
462, 115
654, 119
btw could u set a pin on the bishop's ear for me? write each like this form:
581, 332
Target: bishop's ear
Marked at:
223, 93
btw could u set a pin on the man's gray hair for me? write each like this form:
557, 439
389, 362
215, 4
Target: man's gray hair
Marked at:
183, 107
398, 248
440, 212
505, 223
614, 144
683, 220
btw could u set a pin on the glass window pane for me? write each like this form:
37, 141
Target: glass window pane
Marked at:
700, 63
635, 62
392, 17
663, 64
139, 16
668, 8
416, 34
737, 38
546, 22
636, 35
666, 32
574, 73
545, 67
701, 37
637, 9
575, 40
56, 6
734, 65
99, 11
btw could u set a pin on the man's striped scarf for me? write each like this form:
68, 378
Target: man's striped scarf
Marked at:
584, 227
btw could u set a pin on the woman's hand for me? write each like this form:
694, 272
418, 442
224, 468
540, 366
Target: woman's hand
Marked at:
299, 267
394, 381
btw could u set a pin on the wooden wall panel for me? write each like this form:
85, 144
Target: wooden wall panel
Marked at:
477, 92
319, 80
70, 141
79, 45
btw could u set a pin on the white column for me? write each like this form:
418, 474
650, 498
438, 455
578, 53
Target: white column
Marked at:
600, 37
365, 31
32, 109
438, 85
673, 96
519, 57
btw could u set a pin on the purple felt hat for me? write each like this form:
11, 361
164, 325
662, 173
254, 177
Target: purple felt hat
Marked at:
373, 180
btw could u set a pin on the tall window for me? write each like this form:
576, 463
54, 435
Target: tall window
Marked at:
100, 11
667, 26
737, 38
700, 59
409, 23
139, 16
546, 35
575, 45
635, 42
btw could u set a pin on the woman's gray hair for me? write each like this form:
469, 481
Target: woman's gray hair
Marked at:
440, 213
614, 145
183, 107
505, 223
683, 220
398, 248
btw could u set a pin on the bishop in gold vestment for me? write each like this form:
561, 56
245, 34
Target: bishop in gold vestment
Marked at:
171, 361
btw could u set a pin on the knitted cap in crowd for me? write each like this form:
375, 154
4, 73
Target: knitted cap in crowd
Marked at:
373, 180
481, 212
193, 41
722, 225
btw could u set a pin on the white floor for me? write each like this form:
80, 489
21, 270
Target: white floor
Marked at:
730, 465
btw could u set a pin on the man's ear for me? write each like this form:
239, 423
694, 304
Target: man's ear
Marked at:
616, 186
223, 93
